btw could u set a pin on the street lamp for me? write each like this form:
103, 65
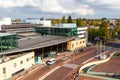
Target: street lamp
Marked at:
104, 43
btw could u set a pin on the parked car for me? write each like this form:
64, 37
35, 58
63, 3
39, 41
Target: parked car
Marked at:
51, 61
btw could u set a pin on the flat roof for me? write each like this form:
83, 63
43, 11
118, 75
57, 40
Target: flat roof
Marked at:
18, 25
37, 42
6, 34
55, 27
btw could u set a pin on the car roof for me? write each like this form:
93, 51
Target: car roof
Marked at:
51, 59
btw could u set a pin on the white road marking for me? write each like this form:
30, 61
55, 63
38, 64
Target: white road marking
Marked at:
43, 77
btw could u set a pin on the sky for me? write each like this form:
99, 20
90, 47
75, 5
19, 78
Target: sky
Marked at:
58, 8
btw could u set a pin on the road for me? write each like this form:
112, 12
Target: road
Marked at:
61, 72
39, 72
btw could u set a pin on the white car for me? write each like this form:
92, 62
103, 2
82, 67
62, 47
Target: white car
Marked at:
51, 61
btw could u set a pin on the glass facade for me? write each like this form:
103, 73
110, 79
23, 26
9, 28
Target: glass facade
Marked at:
57, 31
8, 42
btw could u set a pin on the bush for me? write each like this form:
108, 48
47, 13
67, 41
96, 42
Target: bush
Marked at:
117, 54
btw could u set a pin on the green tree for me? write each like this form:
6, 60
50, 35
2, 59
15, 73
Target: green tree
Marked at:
93, 23
118, 30
89, 34
92, 33
113, 35
69, 20
79, 22
101, 33
104, 27
55, 21
63, 20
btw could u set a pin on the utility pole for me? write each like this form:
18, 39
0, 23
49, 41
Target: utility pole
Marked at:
97, 49
101, 49
104, 45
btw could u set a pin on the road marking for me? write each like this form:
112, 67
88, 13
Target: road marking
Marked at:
67, 60
43, 77
30, 72
73, 66
87, 60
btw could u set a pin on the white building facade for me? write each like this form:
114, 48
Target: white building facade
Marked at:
82, 32
9, 68
44, 22
5, 21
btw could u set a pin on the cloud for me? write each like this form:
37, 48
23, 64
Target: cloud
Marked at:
52, 6
17, 3
109, 4
60, 7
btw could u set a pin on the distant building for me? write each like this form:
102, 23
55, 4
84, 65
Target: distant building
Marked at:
67, 30
19, 28
60, 31
11, 65
112, 21
8, 41
32, 50
82, 32
43, 21
63, 30
5, 21
32, 20
66, 25
76, 44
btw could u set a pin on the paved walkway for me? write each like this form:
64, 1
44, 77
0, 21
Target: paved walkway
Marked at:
21, 75
67, 68
42, 69
73, 66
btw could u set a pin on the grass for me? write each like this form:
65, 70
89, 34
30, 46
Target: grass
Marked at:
117, 54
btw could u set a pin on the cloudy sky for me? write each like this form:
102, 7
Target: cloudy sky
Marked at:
58, 8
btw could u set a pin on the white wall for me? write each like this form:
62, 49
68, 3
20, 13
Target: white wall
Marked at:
70, 25
10, 67
38, 21
45, 22
5, 21
82, 32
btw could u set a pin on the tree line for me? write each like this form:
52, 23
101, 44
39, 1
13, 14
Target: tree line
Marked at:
101, 27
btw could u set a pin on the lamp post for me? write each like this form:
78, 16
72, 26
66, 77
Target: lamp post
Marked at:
97, 39
97, 49
104, 45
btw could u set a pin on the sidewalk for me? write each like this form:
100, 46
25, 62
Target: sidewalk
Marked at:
65, 55
38, 66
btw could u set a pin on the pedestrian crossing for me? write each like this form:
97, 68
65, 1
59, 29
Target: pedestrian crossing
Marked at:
73, 66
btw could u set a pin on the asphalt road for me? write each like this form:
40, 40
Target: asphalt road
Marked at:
39, 72
60, 73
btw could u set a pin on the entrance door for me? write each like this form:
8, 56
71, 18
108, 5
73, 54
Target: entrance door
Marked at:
39, 59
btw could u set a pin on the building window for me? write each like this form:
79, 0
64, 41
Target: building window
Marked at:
72, 45
83, 41
76, 43
4, 70
14, 65
27, 59
32, 56
21, 62
80, 42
